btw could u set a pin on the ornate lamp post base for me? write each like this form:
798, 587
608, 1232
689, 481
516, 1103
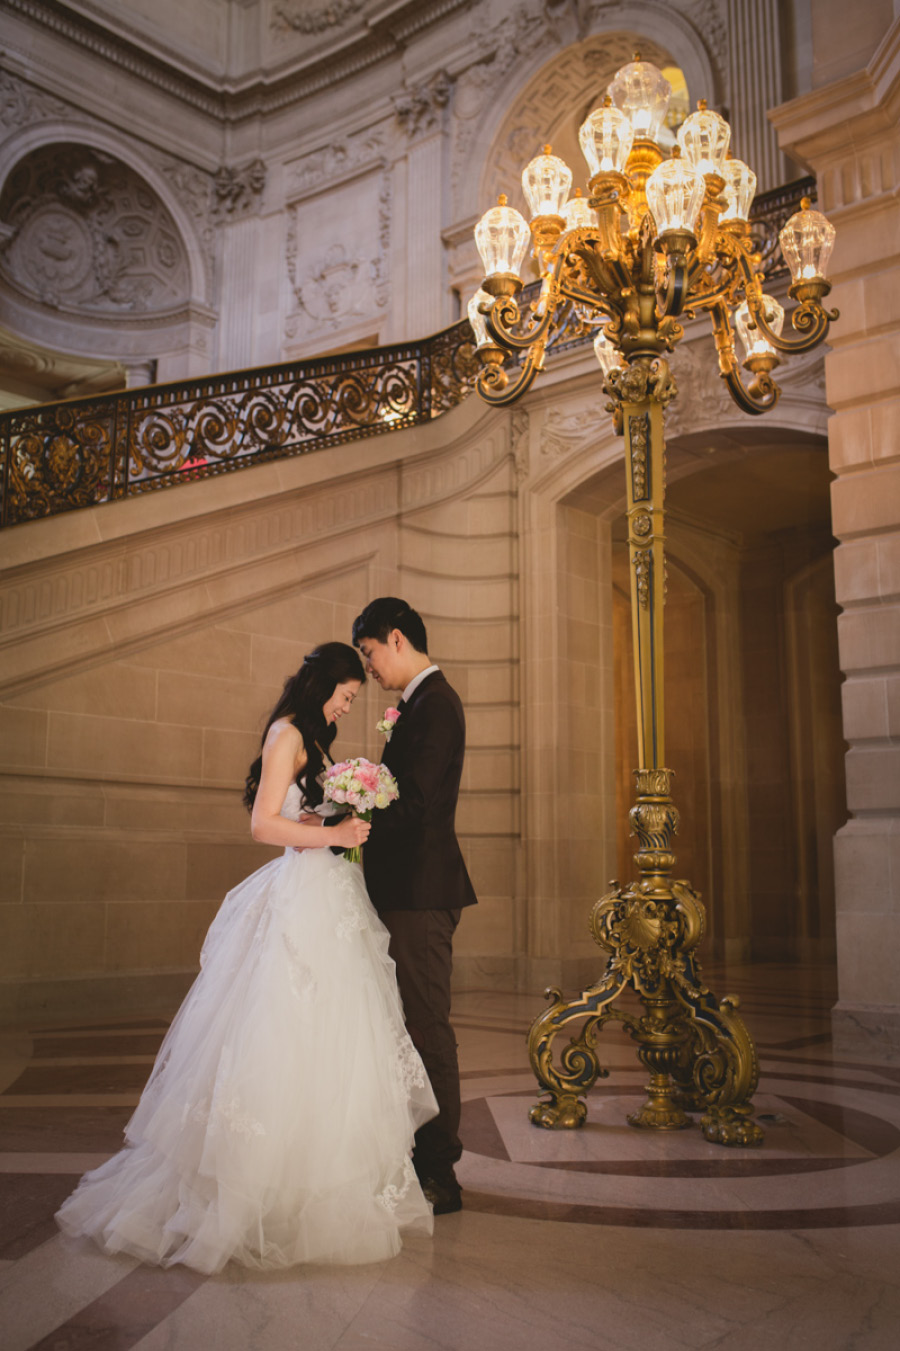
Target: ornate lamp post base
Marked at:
700, 1055
656, 239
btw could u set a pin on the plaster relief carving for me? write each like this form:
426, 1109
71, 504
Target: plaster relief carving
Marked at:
704, 399
420, 110
21, 105
341, 284
310, 16
194, 190
519, 440
332, 163
564, 432
84, 233
710, 18
239, 191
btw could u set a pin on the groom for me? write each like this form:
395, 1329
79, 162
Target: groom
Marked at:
414, 868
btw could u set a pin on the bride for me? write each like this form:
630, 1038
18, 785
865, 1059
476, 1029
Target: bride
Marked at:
277, 1123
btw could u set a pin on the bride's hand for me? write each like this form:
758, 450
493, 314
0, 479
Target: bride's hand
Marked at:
352, 832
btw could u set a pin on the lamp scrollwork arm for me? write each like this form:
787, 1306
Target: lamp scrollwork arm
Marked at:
672, 295
494, 385
762, 393
504, 316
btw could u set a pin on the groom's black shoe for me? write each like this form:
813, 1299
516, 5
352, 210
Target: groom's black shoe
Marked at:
445, 1197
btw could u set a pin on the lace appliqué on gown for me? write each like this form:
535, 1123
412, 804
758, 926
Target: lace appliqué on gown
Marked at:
225, 1110
300, 975
392, 1195
351, 915
407, 1067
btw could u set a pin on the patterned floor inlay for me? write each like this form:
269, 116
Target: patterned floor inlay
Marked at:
830, 1165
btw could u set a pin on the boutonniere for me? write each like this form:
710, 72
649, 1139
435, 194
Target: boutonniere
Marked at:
386, 726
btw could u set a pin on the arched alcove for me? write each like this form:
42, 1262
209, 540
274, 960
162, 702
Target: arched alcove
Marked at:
98, 263
752, 695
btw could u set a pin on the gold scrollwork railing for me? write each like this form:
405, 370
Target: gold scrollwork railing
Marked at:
61, 456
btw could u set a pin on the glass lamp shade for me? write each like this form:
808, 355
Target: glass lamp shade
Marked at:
578, 212
546, 182
606, 138
740, 189
675, 195
754, 340
606, 354
704, 138
477, 319
502, 236
642, 93
806, 242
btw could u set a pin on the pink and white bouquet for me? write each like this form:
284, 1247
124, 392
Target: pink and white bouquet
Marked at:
363, 786
386, 725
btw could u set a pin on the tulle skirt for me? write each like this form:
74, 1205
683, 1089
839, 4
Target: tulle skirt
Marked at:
277, 1123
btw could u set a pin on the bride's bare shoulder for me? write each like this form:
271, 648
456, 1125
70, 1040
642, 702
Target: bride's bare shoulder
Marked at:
285, 736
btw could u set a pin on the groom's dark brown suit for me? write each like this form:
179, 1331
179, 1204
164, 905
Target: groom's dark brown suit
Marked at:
418, 883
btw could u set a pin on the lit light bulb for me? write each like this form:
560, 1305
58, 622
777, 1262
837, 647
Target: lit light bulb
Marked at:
606, 354
756, 344
578, 212
546, 181
675, 195
739, 190
806, 242
642, 92
478, 320
502, 236
606, 137
704, 138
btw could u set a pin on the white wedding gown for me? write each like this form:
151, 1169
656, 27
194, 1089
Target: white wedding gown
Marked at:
277, 1123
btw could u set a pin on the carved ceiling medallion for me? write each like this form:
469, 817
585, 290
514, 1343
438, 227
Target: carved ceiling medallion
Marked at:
83, 232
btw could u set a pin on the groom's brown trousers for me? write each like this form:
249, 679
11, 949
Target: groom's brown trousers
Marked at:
421, 946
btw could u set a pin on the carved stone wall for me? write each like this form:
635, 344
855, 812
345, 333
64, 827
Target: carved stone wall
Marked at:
848, 133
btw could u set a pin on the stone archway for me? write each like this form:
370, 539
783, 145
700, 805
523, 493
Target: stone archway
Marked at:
748, 530
93, 264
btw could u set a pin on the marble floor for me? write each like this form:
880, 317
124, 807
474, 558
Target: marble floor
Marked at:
601, 1238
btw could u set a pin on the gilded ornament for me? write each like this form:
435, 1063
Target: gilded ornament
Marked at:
642, 563
638, 433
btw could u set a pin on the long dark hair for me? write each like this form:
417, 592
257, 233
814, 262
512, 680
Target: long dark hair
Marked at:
302, 700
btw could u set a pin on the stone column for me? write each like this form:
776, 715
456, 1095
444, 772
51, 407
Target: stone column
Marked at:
422, 114
847, 132
755, 78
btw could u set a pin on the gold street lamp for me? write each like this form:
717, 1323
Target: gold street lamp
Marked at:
656, 239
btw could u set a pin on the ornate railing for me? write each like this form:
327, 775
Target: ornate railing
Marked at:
62, 456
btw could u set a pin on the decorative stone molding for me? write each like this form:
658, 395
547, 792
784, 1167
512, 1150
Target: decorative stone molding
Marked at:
21, 105
86, 234
710, 19
420, 110
338, 287
239, 191
334, 164
308, 16
520, 442
195, 191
